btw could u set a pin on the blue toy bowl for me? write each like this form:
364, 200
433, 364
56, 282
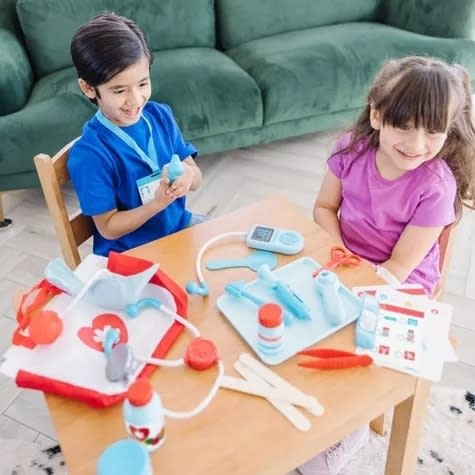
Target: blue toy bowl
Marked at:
124, 457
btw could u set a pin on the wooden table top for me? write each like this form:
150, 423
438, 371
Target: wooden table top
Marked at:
237, 434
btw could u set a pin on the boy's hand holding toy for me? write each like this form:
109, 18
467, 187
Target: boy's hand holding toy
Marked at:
179, 177
162, 195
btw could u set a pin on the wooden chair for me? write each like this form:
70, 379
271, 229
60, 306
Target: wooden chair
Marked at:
379, 425
73, 230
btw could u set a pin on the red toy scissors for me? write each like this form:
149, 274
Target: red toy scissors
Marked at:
330, 358
339, 257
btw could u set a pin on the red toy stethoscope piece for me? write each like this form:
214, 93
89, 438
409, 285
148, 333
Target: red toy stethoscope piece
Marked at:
201, 354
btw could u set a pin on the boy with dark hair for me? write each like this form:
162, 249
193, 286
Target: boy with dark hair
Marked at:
126, 147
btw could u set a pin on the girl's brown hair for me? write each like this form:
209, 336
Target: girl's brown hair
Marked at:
436, 96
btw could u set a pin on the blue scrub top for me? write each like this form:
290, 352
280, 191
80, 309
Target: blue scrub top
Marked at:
104, 171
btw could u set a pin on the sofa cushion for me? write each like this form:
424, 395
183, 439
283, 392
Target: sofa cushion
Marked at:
208, 93
8, 16
55, 84
16, 76
446, 19
330, 68
245, 20
40, 127
48, 25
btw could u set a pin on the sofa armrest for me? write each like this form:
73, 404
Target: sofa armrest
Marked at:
16, 75
432, 17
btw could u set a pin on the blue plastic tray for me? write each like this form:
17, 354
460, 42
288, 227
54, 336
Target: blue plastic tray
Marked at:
300, 334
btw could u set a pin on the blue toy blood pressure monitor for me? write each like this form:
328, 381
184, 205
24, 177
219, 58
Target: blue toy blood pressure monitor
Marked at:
270, 238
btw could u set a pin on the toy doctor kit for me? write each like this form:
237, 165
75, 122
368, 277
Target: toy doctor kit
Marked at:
259, 380
267, 238
143, 408
292, 287
91, 331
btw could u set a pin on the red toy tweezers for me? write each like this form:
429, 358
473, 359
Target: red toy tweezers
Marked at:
330, 358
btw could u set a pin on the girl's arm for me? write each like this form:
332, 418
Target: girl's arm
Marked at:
413, 245
325, 210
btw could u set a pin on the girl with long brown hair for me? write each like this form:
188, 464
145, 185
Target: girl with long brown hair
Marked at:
403, 171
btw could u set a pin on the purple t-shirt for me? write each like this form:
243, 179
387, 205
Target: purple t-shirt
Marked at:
374, 211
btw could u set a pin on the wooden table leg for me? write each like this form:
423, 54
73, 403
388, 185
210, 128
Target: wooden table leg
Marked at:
380, 424
406, 431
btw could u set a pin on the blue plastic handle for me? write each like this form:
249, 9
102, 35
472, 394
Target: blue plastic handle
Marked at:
328, 286
284, 293
237, 290
175, 168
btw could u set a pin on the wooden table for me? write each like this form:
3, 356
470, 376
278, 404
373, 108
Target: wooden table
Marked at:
240, 434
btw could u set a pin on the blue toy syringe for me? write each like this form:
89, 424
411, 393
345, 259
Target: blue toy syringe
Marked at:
237, 289
284, 293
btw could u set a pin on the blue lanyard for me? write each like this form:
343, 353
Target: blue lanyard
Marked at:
151, 158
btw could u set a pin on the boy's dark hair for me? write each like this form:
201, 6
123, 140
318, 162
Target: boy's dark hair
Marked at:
106, 45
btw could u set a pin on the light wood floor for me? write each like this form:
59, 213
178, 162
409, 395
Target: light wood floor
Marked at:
293, 168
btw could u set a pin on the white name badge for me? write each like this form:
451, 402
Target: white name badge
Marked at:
148, 185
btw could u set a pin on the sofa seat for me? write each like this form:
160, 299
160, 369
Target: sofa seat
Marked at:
328, 69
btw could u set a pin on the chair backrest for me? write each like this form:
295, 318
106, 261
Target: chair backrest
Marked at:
73, 230
445, 248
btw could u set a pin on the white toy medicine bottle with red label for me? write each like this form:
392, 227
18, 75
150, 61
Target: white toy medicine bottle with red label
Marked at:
144, 415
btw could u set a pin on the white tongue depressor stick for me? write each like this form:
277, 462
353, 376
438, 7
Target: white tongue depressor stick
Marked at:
279, 394
279, 383
290, 412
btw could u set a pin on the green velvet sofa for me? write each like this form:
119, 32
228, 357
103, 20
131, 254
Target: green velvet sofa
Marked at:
235, 72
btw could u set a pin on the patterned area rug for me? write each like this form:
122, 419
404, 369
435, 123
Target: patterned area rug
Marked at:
27, 458
447, 444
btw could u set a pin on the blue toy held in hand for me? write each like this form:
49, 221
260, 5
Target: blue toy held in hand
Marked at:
175, 168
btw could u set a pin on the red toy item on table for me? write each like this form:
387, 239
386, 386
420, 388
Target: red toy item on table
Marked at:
339, 257
330, 358
270, 329
31, 316
201, 354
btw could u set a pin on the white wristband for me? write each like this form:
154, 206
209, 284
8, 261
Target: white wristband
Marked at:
392, 280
